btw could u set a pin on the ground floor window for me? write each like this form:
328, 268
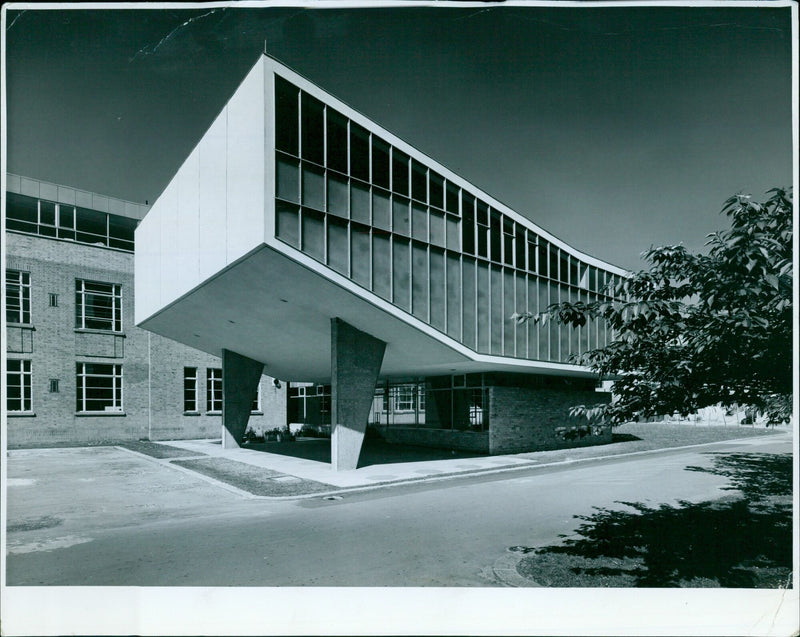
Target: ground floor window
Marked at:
456, 402
214, 389
18, 386
99, 387
190, 389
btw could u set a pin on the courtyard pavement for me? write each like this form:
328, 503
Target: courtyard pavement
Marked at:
302, 468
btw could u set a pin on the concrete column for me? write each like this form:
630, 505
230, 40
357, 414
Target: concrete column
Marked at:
356, 359
240, 378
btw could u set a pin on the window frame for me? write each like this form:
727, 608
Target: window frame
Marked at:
213, 383
194, 390
116, 305
117, 389
23, 285
25, 384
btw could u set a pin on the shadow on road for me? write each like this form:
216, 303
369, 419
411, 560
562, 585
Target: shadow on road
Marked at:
742, 540
375, 451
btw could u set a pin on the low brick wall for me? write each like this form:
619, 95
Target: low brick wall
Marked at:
537, 418
439, 438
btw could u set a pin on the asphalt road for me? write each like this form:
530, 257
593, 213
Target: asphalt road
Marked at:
104, 517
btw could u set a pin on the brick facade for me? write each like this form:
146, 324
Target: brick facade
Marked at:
537, 419
152, 366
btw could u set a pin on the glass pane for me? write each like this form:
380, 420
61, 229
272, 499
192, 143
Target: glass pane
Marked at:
453, 296
495, 237
399, 172
400, 216
453, 233
359, 201
586, 330
313, 234
337, 245
338, 195
574, 335
563, 267
401, 269
482, 243
437, 289
532, 326
286, 128
451, 204
509, 304
337, 141
359, 152
360, 264
47, 219
312, 129
419, 280
91, 226
544, 301
120, 232
483, 336
419, 222
288, 223
288, 178
380, 163
520, 305
468, 301
520, 247
468, 223
313, 186
497, 310
381, 265
21, 212
553, 261
542, 250
437, 228
508, 241
381, 209
437, 190
419, 181
556, 353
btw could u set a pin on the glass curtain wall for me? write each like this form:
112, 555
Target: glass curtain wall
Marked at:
443, 402
367, 210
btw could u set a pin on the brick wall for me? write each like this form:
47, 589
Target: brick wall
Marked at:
439, 438
152, 366
537, 418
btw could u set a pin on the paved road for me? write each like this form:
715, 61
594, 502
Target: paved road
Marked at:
107, 517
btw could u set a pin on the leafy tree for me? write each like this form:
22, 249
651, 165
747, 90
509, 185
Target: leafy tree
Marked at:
696, 330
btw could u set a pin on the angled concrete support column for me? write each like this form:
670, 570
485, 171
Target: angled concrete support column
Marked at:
240, 377
356, 359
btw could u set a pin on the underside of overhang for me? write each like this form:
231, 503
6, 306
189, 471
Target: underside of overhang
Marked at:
276, 310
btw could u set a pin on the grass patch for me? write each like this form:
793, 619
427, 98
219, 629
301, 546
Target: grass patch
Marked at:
651, 436
155, 450
738, 541
255, 480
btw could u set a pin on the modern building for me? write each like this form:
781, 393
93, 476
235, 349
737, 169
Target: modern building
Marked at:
303, 239
78, 369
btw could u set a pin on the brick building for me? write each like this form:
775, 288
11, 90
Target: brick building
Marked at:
326, 249
78, 369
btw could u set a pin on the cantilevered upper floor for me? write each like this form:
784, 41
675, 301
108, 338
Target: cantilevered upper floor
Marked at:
294, 208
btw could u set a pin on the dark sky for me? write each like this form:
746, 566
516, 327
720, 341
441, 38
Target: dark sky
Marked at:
614, 128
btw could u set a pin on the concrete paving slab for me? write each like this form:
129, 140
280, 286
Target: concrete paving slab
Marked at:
353, 478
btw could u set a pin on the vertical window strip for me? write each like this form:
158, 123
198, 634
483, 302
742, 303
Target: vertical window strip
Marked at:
19, 386
18, 297
190, 387
213, 389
